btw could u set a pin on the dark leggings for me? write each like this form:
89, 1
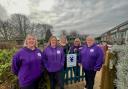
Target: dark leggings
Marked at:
34, 85
56, 78
90, 78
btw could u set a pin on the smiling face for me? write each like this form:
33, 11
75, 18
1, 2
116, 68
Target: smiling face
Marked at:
63, 41
53, 41
77, 42
31, 41
90, 41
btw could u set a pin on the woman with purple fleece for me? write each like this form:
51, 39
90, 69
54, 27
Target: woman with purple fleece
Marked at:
91, 58
54, 62
27, 64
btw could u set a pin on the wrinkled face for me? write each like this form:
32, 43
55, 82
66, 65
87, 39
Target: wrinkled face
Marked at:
90, 41
53, 42
31, 41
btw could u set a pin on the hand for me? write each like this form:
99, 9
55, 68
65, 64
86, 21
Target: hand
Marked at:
95, 70
79, 64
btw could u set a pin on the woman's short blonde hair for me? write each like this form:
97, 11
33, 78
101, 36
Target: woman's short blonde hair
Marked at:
30, 35
49, 41
77, 39
63, 37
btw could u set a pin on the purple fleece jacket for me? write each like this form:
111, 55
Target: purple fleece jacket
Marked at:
53, 58
91, 57
27, 64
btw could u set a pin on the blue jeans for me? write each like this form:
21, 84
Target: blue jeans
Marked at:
76, 70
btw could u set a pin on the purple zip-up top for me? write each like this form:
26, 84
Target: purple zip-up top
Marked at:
91, 57
53, 58
27, 64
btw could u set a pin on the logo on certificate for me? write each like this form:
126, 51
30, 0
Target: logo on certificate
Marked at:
71, 60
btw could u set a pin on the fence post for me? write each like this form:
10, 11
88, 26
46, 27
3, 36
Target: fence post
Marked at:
107, 74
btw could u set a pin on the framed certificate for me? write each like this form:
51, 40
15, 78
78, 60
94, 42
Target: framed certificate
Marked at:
71, 60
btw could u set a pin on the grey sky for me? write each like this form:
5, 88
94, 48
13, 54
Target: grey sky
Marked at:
3, 13
87, 16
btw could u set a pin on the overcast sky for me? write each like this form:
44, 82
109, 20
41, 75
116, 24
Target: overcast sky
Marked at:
84, 16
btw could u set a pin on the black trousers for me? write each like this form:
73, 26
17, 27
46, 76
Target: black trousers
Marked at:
56, 78
90, 78
34, 85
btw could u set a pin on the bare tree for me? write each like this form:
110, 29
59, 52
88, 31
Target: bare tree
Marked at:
41, 30
18, 26
46, 32
48, 35
32, 28
21, 24
37, 29
7, 31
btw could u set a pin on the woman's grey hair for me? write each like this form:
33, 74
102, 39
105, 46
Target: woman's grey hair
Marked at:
90, 37
30, 35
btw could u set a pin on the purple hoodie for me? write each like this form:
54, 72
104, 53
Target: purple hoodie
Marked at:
91, 57
53, 58
27, 64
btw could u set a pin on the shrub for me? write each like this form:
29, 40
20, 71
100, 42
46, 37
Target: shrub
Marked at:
6, 75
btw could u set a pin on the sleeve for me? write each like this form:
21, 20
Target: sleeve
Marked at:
71, 49
62, 58
67, 49
79, 54
100, 59
79, 57
16, 63
44, 59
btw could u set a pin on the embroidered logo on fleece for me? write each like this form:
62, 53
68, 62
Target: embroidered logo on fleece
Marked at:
58, 51
39, 54
91, 50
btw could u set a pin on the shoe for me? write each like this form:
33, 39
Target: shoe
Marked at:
85, 87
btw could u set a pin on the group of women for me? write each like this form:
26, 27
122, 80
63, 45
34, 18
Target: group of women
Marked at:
29, 62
